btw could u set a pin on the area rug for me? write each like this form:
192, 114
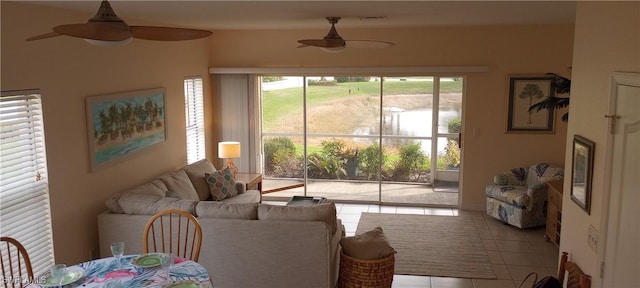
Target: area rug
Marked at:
447, 246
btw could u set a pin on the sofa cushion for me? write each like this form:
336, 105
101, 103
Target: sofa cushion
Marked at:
196, 172
215, 209
179, 182
325, 212
155, 187
221, 184
145, 204
370, 245
251, 196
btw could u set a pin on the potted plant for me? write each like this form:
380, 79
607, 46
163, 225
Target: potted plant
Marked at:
562, 85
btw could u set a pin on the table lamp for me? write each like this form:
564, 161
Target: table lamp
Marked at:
229, 150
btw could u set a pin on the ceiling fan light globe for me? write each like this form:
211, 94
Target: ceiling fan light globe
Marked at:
108, 43
333, 49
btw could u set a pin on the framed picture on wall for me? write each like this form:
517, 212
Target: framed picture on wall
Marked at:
525, 91
123, 124
582, 172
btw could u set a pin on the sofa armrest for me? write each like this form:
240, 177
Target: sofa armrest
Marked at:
241, 187
537, 194
537, 190
114, 227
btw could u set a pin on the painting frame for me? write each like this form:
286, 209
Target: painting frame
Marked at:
519, 118
582, 172
122, 125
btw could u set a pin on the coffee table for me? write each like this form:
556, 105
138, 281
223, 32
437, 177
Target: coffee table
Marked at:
306, 201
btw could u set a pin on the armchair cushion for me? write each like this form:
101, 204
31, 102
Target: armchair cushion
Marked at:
514, 195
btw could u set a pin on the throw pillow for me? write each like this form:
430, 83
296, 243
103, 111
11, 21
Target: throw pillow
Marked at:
501, 179
221, 184
370, 245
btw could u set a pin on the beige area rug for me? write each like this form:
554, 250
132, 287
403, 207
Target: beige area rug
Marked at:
447, 246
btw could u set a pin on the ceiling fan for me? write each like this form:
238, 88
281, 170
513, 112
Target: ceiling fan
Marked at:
106, 28
333, 42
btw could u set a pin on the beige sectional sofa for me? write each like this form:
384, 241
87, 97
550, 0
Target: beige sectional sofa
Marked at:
245, 243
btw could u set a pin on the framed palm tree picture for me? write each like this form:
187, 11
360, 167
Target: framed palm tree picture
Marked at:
121, 125
524, 92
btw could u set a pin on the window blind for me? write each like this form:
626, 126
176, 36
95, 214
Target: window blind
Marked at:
194, 111
24, 189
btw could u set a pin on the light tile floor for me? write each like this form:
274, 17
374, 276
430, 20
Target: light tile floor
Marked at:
513, 252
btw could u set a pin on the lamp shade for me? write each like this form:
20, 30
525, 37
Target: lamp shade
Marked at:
228, 149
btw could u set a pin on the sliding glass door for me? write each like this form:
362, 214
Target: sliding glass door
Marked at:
359, 138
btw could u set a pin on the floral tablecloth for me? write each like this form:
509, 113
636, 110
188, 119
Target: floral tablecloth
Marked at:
98, 272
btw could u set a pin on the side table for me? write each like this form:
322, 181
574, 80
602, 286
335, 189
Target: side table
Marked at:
251, 179
554, 212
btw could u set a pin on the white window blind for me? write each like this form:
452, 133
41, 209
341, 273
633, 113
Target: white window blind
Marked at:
194, 111
24, 189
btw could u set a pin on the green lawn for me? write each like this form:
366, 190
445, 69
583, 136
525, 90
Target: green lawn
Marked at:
288, 101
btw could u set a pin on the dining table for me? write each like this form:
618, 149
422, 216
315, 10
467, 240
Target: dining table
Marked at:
130, 272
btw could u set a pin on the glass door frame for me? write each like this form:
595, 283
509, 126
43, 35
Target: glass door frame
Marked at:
435, 134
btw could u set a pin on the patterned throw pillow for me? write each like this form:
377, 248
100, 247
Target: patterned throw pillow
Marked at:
221, 184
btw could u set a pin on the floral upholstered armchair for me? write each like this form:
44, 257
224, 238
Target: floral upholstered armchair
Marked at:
518, 196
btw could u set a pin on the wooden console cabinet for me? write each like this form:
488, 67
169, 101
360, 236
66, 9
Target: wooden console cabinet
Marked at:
554, 211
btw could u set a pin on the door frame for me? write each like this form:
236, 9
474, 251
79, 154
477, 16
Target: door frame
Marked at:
609, 218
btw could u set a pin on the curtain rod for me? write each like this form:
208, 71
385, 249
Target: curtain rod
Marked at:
378, 71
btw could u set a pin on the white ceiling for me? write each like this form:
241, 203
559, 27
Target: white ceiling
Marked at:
225, 15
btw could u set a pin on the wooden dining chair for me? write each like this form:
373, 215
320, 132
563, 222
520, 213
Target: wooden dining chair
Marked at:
16, 265
575, 277
173, 231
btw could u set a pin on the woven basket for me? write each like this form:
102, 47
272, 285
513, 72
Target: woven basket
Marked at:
356, 273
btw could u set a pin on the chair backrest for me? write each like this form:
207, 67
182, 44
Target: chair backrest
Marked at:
543, 172
173, 231
576, 278
16, 265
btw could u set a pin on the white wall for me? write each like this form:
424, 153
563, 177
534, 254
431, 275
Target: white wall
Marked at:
505, 49
67, 70
607, 39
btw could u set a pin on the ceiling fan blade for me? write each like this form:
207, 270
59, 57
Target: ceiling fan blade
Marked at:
167, 33
105, 31
325, 43
44, 36
369, 44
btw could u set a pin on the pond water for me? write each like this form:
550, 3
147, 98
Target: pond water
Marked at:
414, 123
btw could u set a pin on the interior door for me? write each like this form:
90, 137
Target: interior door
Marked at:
622, 252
